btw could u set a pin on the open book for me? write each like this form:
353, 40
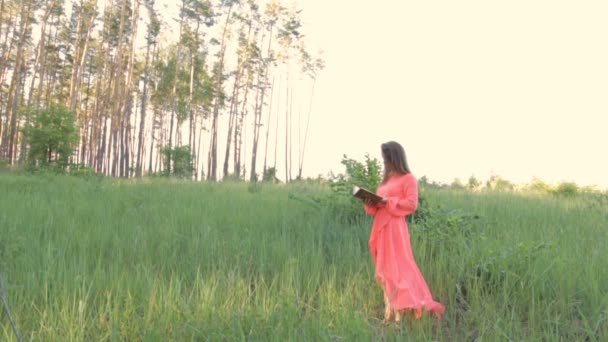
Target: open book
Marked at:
363, 193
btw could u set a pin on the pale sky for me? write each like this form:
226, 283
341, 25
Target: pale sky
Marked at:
514, 88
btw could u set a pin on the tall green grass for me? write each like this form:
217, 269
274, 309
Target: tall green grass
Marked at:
166, 260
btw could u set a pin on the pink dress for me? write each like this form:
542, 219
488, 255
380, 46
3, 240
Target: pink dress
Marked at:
391, 250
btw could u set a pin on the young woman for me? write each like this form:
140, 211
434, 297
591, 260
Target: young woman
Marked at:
396, 270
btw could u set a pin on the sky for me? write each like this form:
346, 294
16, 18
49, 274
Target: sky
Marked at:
513, 88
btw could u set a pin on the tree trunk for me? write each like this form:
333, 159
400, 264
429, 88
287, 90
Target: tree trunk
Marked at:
238, 129
38, 65
258, 112
15, 89
39, 60
85, 24
290, 130
152, 140
118, 115
232, 115
174, 87
231, 123
199, 151
5, 54
102, 144
288, 103
88, 122
301, 164
276, 129
156, 116
142, 119
128, 95
212, 160
192, 123
268, 127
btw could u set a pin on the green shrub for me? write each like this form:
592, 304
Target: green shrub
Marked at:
566, 189
83, 171
51, 135
270, 175
341, 202
498, 183
539, 186
178, 162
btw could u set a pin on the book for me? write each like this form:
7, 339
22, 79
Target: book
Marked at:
363, 194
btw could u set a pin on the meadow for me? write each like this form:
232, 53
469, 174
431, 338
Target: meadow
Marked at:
88, 259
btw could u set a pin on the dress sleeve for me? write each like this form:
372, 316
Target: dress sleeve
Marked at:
370, 210
407, 202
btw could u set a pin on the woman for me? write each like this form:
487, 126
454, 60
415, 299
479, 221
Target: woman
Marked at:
396, 270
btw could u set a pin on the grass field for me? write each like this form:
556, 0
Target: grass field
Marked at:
165, 260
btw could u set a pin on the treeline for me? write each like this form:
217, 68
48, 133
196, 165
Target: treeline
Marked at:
497, 183
140, 106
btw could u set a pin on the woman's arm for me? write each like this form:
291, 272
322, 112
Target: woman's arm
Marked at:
408, 203
370, 209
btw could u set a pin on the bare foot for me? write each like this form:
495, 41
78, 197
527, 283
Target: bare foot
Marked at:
388, 313
397, 316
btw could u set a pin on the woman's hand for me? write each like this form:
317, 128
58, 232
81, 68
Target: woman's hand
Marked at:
369, 202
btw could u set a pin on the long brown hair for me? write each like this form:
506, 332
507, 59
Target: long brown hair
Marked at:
394, 159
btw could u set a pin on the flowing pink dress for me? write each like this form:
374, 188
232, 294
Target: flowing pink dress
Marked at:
391, 250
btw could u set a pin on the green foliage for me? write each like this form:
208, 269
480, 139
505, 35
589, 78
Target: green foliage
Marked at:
498, 183
12, 245
538, 186
4, 165
173, 89
365, 174
473, 183
178, 162
52, 135
504, 268
83, 171
566, 189
457, 184
232, 177
445, 226
214, 261
270, 175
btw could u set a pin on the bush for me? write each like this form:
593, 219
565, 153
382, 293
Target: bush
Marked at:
364, 174
566, 189
51, 135
82, 171
491, 269
4, 166
473, 183
498, 183
447, 229
539, 186
270, 175
178, 162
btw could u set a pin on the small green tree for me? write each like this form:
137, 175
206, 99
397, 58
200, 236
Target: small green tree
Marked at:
270, 175
473, 183
566, 189
178, 162
367, 174
539, 186
497, 183
51, 135
457, 184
